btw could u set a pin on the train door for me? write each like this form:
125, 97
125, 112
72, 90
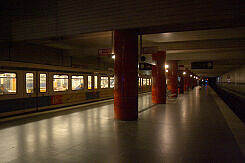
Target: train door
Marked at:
30, 89
42, 93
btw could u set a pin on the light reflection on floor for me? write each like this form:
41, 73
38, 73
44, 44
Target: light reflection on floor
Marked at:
192, 129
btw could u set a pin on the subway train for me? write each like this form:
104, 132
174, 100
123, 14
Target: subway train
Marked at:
27, 87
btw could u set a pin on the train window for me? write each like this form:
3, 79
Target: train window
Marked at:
104, 82
60, 83
77, 83
147, 81
29, 82
7, 83
43, 83
112, 82
95, 82
144, 81
89, 82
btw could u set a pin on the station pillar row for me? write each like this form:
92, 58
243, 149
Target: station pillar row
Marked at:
126, 74
159, 78
172, 78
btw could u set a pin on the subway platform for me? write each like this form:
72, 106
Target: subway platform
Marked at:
197, 127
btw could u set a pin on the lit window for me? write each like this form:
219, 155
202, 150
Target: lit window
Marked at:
150, 82
147, 81
29, 83
139, 81
43, 83
89, 82
144, 81
112, 82
95, 82
104, 82
60, 83
7, 83
77, 83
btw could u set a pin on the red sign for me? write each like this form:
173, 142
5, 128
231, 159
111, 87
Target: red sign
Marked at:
104, 52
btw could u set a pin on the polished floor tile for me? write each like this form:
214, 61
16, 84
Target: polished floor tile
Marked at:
189, 129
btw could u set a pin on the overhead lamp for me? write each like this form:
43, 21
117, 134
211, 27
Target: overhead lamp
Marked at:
113, 56
166, 66
184, 73
190, 75
166, 70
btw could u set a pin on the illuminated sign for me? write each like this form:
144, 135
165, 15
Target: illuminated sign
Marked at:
145, 66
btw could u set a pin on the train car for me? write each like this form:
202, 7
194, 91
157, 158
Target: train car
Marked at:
26, 87
145, 83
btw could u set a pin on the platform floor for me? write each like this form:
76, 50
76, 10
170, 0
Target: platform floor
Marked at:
191, 129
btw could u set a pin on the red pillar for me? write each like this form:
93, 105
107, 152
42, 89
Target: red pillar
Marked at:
181, 89
159, 79
172, 76
186, 80
191, 80
126, 75
194, 80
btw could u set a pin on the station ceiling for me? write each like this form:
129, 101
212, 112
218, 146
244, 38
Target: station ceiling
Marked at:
225, 47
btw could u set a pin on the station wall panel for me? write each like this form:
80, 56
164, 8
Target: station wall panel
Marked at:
234, 80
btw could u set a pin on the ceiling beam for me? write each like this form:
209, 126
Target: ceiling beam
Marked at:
201, 44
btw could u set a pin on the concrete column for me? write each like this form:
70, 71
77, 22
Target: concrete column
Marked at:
159, 79
172, 76
126, 75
